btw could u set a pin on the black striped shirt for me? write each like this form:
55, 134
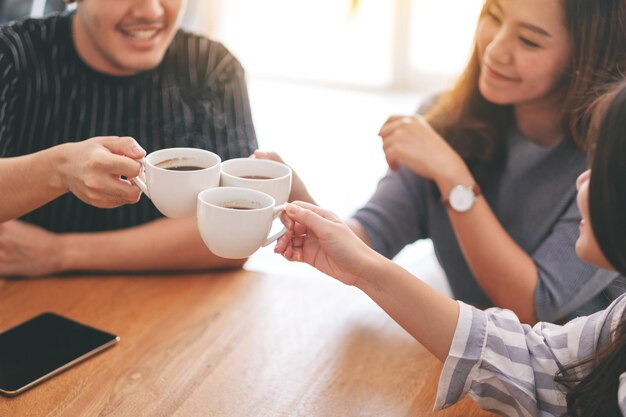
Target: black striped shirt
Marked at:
196, 97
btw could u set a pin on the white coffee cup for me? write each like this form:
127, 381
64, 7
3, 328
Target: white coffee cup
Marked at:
175, 192
270, 177
234, 222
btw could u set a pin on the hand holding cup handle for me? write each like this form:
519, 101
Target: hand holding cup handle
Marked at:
277, 210
138, 181
234, 222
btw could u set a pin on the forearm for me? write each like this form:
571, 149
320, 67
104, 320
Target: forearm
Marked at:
506, 273
28, 182
359, 230
161, 245
429, 316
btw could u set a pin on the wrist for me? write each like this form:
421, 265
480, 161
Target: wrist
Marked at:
454, 174
67, 252
56, 162
373, 273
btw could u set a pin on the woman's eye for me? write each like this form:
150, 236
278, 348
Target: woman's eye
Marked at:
528, 42
494, 17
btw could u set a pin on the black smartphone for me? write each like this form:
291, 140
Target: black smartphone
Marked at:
44, 346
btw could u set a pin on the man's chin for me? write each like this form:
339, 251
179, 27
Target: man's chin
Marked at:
128, 67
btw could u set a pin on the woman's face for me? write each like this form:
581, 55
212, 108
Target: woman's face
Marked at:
587, 247
524, 50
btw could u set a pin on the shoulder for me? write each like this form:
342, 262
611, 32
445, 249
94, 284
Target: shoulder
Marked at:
428, 103
599, 329
614, 317
211, 59
35, 31
23, 40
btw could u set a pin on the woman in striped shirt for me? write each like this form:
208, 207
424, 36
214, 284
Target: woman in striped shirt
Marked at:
509, 368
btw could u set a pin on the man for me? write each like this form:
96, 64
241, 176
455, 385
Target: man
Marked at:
115, 68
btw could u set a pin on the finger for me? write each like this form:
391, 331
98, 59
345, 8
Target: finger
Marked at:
283, 247
120, 166
392, 148
288, 254
393, 118
297, 242
133, 192
116, 192
286, 220
124, 145
390, 127
293, 254
283, 242
326, 214
391, 158
273, 156
314, 222
299, 229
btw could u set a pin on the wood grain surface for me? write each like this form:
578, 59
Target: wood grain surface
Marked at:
227, 344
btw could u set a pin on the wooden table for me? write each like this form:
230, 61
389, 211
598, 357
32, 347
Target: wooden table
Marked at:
227, 344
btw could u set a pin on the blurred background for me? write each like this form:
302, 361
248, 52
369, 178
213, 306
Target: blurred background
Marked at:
323, 77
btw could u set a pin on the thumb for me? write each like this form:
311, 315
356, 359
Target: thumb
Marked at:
272, 156
126, 146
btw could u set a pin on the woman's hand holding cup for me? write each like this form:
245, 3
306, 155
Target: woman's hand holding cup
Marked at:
319, 238
298, 189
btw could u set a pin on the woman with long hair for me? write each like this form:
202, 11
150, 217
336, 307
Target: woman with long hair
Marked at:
575, 370
488, 173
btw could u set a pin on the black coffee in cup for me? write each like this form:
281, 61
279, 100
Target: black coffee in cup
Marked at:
184, 168
256, 177
240, 205
178, 164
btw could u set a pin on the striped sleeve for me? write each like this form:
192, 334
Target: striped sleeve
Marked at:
509, 368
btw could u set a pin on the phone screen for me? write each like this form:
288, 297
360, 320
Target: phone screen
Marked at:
42, 347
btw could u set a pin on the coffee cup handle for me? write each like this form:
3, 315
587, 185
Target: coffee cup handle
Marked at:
277, 235
140, 183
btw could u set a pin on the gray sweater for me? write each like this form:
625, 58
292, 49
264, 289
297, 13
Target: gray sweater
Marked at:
534, 199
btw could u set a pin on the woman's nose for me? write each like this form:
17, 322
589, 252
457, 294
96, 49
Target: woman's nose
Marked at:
499, 50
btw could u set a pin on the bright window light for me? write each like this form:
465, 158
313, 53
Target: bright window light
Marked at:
401, 44
319, 40
442, 34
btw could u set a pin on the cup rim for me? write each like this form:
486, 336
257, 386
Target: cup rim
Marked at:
165, 150
262, 161
251, 210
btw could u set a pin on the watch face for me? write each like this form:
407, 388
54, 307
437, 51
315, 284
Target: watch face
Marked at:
462, 198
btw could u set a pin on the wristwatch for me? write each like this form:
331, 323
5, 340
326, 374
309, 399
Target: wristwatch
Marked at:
462, 197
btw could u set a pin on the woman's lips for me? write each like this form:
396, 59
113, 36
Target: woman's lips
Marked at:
493, 74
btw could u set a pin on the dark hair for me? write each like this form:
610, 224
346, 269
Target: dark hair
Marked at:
594, 394
475, 127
